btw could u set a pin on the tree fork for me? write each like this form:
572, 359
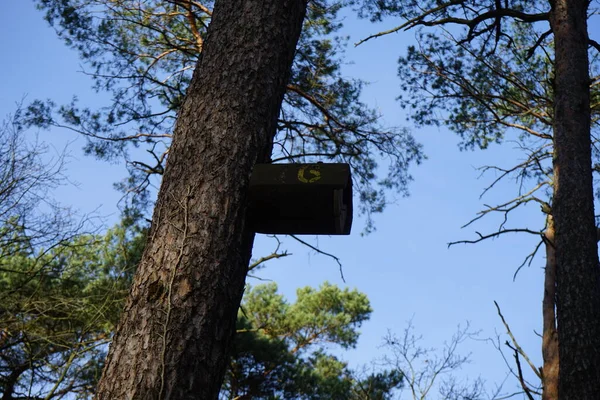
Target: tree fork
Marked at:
176, 331
577, 275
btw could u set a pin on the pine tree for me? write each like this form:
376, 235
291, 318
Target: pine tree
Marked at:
523, 66
175, 334
143, 54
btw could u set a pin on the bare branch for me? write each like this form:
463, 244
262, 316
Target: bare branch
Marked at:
424, 368
264, 259
538, 43
594, 44
337, 260
516, 344
529, 259
492, 235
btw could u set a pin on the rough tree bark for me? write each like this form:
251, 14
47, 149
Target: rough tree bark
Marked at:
549, 336
577, 275
174, 336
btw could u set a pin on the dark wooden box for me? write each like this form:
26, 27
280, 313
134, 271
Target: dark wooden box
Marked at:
301, 199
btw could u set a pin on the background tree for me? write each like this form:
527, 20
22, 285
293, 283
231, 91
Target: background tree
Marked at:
428, 370
28, 173
59, 287
280, 348
58, 321
504, 67
58, 311
62, 293
143, 55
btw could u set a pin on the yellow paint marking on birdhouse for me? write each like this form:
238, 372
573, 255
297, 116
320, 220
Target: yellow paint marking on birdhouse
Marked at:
313, 170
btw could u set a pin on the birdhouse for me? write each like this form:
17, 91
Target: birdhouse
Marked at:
301, 199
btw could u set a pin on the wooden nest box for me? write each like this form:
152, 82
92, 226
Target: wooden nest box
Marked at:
301, 199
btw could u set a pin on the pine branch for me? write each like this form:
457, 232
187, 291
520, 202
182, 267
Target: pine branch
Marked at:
496, 14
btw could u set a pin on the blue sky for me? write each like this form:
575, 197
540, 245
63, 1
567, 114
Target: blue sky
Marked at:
405, 267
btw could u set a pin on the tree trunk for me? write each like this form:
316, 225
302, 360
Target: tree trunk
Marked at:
175, 334
550, 336
577, 275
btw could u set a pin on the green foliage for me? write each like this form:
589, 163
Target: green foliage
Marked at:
479, 95
58, 309
28, 173
487, 79
327, 315
62, 292
143, 55
280, 348
484, 69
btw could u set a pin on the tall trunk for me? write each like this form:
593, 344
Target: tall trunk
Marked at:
550, 336
578, 275
176, 331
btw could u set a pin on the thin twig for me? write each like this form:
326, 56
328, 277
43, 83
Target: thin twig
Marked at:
264, 259
337, 260
492, 235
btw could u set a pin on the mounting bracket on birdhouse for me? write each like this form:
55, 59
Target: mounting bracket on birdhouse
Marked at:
301, 199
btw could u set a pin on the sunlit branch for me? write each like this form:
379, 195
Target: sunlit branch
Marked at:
516, 344
196, 4
264, 259
509, 206
157, 59
493, 235
315, 102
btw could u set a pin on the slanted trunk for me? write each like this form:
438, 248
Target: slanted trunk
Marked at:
549, 336
175, 334
577, 275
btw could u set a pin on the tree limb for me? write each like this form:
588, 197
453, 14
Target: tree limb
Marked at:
516, 344
337, 260
496, 14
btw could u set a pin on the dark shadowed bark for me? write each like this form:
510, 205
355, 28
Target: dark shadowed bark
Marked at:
550, 336
175, 334
577, 275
